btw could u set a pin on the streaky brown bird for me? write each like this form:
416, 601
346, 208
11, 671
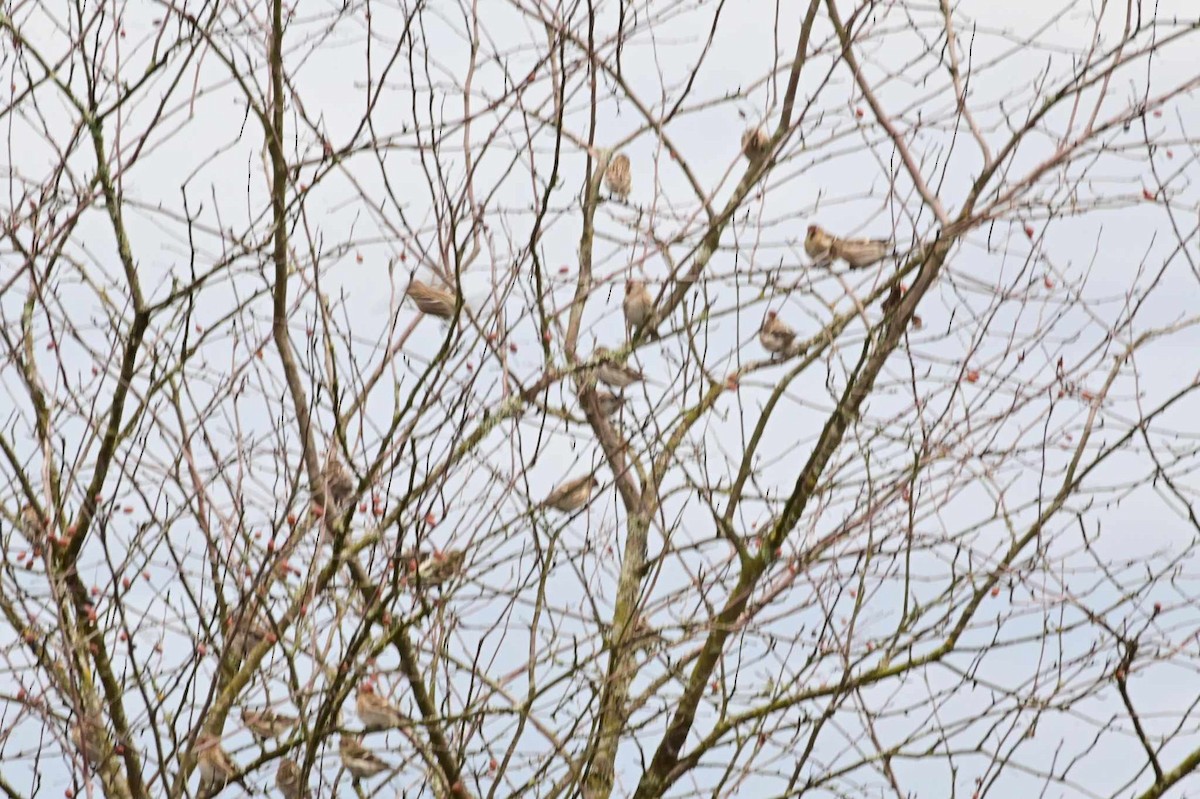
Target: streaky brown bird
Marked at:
756, 142
775, 335
376, 712
430, 300
360, 761
287, 780
571, 495
266, 723
638, 306
617, 177
613, 372
214, 764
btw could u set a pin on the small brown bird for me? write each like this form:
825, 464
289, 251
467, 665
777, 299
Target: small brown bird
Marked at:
339, 485
638, 306
571, 495
617, 177
608, 402
857, 253
287, 780
860, 253
87, 738
32, 525
265, 723
361, 762
437, 568
818, 243
435, 302
614, 373
756, 142
775, 335
249, 635
214, 764
376, 712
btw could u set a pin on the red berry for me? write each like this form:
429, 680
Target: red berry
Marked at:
973, 376
1029, 231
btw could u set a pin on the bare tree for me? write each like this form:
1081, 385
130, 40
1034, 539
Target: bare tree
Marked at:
599, 399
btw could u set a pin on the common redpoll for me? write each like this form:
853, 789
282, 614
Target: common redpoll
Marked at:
436, 568
87, 739
818, 243
615, 373
860, 253
358, 760
32, 525
248, 635
287, 780
857, 253
617, 177
339, 485
376, 712
775, 335
214, 764
265, 723
638, 306
435, 302
571, 495
756, 142
608, 403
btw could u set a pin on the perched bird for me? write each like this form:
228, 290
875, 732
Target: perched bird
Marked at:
265, 723
87, 738
617, 177
756, 142
358, 760
860, 253
435, 302
608, 402
214, 764
818, 243
287, 780
247, 635
339, 485
571, 495
32, 525
376, 712
775, 335
638, 306
857, 253
615, 373
437, 567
